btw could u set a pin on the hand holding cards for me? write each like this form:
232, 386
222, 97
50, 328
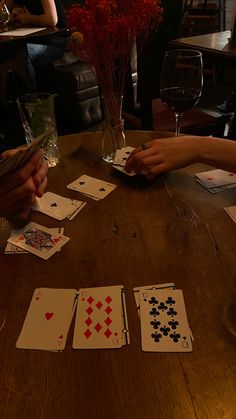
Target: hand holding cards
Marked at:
15, 161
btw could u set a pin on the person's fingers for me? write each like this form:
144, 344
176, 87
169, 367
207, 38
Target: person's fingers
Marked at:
158, 169
41, 173
25, 191
136, 161
20, 176
42, 187
18, 215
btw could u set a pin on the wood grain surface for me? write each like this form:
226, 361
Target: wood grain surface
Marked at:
170, 229
215, 46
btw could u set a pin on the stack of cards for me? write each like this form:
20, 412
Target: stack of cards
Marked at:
216, 180
164, 324
91, 187
58, 207
120, 159
9, 164
12, 249
38, 240
101, 319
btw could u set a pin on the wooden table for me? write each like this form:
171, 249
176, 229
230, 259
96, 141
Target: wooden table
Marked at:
213, 45
144, 232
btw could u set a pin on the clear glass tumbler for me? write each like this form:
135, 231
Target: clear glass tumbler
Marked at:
37, 114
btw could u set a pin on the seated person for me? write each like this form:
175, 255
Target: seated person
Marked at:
45, 13
19, 189
160, 156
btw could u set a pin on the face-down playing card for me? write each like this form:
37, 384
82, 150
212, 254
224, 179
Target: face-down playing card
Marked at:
100, 319
164, 324
48, 319
92, 187
38, 240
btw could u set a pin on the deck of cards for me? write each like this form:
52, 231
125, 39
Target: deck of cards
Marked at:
58, 207
216, 180
163, 318
9, 164
101, 319
91, 187
39, 240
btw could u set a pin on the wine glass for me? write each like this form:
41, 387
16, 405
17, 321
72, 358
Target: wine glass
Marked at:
4, 15
181, 81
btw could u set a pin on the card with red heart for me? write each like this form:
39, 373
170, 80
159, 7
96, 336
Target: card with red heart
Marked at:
48, 319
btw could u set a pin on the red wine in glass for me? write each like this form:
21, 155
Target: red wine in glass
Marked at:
181, 81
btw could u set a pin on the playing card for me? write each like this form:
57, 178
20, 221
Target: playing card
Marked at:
122, 156
164, 324
12, 249
38, 240
120, 159
99, 321
92, 187
14, 162
231, 211
57, 206
136, 290
48, 319
216, 180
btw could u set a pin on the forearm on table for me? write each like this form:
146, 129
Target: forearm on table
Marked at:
217, 152
41, 20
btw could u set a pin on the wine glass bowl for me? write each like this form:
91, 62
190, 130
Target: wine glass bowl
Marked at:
181, 81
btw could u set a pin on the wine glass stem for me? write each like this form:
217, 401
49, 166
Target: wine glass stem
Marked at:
178, 117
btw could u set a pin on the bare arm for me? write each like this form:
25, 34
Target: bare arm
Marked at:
49, 18
173, 153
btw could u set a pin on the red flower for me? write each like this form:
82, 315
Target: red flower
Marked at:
109, 28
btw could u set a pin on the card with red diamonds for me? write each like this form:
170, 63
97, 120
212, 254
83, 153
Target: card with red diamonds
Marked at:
101, 320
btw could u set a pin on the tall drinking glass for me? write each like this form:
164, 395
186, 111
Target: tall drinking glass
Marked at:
181, 81
38, 117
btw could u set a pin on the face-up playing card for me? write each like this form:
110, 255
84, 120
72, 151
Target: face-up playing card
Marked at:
216, 180
14, 162
57, 206
136, 290
38, 240
99, 322
164, 324
12, 249
48, 319
231, 211
92, 187
121, 158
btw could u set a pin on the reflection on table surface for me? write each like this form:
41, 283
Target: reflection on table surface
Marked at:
217, 44
167, 230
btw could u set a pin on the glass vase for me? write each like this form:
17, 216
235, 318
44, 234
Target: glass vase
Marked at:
113, 136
